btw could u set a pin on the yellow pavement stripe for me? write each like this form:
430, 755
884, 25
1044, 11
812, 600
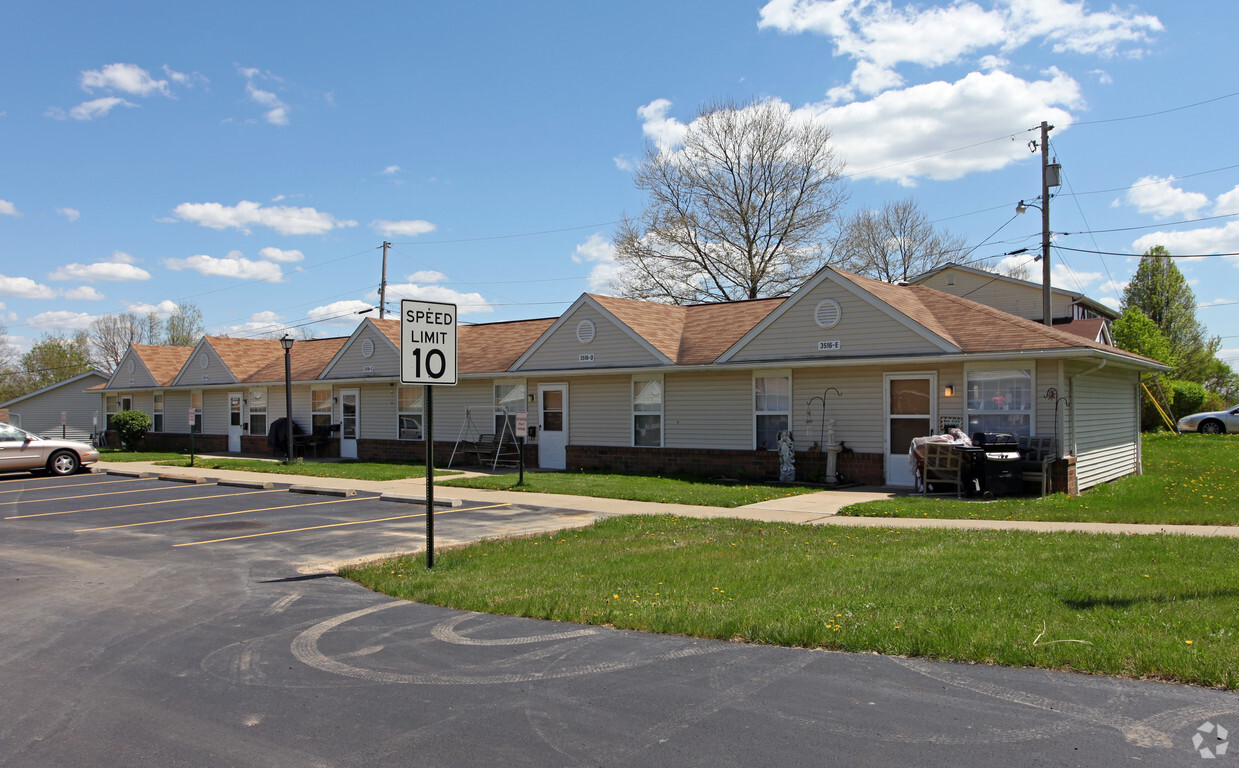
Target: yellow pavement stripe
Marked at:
221, 514
75, 485
170, 487
144, 504
334, 525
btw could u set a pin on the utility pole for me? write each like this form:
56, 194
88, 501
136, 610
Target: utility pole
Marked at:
383, 282
1046, 315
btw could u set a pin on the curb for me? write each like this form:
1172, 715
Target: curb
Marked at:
400, 498
323, 491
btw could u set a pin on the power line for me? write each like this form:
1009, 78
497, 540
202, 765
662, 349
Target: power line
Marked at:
1159, 112
1153, 226
1155, 255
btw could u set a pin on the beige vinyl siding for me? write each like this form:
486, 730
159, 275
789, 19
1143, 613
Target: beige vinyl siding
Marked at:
175, 411
214, 411
1105, 404
140, 377
599, 410
1049, 376
709, 410
378, 412
41, 413
194, 375
450, 403
612, 346
1021, 300
863, 330
352, 363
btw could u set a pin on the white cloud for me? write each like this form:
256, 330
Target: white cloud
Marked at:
24, 288
277, 110
281, 255
61, 320
427, 276
666, 132
72, 214
1207, 240
126, 78
89, 110
407, 228
879, 36
83, 293
624, 164
391, 169
922, 118
342, 313
1227, 202
287, 220
259, 324
1064, 276
233, 265
119, 268
8, 209
599, 251
1158, 196
164, 308
466, 303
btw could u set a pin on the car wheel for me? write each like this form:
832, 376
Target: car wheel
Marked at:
1211, 427
63, 463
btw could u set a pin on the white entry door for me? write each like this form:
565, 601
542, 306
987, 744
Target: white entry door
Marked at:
910, 412
234, 422
553, 426
350, 413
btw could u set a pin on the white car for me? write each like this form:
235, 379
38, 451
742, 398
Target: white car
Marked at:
21, 450
1214, 423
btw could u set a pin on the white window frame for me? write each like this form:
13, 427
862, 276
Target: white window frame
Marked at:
784, 373
111, 407
662, 397
257, 403
498, 406
157, 412
413, 410
330, 413
998, 367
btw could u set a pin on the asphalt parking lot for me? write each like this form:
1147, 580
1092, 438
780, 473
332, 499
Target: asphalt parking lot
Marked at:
151, 622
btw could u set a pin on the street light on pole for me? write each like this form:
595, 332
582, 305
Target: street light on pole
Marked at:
287, 343
1050, 177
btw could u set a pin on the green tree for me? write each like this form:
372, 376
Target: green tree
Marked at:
1136, 332
737, 211
1161, 292
184, 327
131, 427
53, 358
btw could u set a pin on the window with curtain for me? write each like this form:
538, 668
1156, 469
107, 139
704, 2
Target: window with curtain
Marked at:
647, 412
1000, 401
772, 405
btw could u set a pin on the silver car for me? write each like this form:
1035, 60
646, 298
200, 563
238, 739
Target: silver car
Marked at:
22, 450
1214, 423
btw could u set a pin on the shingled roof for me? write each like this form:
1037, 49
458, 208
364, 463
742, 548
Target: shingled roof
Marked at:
307, 359
482, 348
164, 363
695, 334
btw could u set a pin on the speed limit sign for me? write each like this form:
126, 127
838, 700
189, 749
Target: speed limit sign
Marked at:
427, 342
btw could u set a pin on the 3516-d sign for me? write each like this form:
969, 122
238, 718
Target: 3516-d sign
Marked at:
427, 342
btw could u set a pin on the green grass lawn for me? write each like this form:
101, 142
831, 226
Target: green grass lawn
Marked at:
120, 454
671, 490
353, 470
1158, 607
1188, 479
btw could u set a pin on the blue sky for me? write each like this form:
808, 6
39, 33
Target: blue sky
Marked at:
251, 158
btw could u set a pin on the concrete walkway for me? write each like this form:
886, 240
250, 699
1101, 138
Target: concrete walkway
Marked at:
812, 509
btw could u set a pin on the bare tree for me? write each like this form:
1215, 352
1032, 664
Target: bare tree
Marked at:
1020, 270
894, 243
184, 326
111, 336
737, 212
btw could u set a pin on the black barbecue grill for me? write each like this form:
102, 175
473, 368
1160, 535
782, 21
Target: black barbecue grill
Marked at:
992, 464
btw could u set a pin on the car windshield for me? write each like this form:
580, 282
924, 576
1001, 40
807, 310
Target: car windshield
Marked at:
10, 432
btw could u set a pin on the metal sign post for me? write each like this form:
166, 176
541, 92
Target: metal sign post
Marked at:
522, 432
192, 414
428, 357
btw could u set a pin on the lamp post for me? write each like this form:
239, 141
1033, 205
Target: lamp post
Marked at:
1050, 177
287, 343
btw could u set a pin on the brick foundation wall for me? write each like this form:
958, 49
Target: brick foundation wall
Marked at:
810, 467
1063, 477
414, 452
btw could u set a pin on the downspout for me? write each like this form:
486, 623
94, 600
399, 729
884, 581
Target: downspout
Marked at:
1071, 389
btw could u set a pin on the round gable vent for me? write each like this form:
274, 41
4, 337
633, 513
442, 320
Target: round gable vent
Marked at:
204, 360
827, 313
585, 331
367, 348
129, 367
